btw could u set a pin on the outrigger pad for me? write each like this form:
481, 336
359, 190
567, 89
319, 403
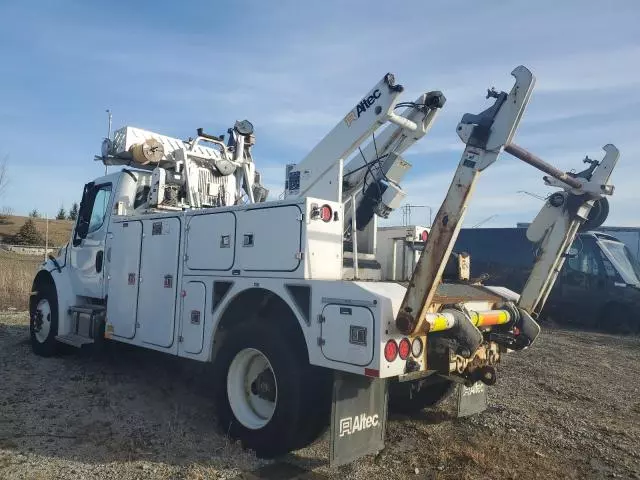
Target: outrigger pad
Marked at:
358, 417
472, 400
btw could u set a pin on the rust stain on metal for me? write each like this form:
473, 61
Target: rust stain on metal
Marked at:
428, 271
406, 322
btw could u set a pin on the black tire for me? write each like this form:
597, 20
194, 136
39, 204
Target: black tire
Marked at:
48, 346
597, 215
411, 397
298, 417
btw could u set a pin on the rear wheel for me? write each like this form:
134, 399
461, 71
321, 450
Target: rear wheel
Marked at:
263, 390
43, 325
411, 397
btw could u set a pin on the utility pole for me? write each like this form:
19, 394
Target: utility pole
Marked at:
46, 237
108, 134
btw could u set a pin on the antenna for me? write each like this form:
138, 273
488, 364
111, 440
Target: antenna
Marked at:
108, 133
406, 213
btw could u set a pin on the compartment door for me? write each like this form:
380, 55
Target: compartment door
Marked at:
270, 239
193, 315
347, 332
158, 279
211, 241
123, 262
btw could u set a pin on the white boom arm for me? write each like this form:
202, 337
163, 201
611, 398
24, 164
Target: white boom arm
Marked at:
319, 174
393, 138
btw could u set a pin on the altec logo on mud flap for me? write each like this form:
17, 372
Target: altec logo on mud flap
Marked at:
362, 107
477, 387
349, 425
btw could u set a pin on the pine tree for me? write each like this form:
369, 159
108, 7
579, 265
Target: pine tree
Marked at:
28, 234
62, 214
34, 213
73, 212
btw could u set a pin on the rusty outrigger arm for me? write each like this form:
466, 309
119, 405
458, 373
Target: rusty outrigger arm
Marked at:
553, 230
556, 226
485, 135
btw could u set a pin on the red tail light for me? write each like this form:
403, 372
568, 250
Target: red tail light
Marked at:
326, 213
404, 348
391, 350
424, 235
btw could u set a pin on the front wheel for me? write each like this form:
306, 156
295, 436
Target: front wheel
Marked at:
262, 388
43, 325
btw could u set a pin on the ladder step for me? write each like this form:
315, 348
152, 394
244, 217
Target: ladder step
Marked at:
87, 309
74, 340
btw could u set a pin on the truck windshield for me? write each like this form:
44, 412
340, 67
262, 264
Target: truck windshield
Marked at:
623, 259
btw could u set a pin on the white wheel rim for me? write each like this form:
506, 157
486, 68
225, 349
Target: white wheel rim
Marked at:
42, 325
249, 371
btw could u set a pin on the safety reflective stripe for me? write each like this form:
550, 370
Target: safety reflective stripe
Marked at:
440, 321
490, 317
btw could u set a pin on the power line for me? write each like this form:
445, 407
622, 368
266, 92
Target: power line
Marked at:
484, 221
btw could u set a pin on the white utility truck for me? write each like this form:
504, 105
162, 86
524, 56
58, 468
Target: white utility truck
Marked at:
180, 252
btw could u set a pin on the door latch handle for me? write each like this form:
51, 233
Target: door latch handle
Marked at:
99, 260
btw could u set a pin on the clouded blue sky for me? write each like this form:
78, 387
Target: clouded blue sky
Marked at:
295, 68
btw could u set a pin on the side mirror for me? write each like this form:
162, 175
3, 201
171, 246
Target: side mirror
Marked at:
82, 229
572, 253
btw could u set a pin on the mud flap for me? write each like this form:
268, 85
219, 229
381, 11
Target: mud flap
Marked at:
472, 400
358, 417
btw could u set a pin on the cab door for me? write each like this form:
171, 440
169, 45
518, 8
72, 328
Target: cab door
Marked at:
583, 286
87, 246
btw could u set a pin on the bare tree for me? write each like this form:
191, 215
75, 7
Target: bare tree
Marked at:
4, 174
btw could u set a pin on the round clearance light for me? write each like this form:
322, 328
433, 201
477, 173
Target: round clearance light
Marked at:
326, 213
404, 348
391, 350
424, 235
416, 347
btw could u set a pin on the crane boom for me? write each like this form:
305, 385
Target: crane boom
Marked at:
370, 113
320, 173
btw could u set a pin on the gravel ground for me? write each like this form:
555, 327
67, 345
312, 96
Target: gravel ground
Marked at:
568, 408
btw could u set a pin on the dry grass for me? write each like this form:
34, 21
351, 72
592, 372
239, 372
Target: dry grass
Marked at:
17, 271
16, 276
59, 230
